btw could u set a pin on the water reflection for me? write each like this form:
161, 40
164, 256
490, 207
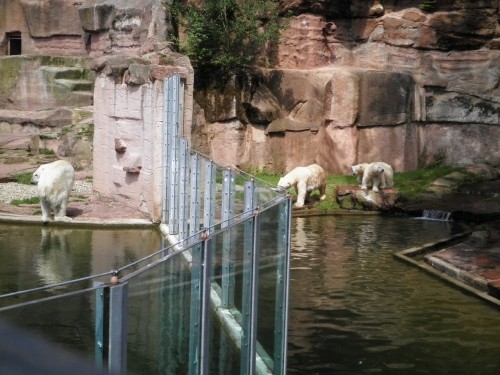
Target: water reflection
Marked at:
355, 309
33, 256
52, 262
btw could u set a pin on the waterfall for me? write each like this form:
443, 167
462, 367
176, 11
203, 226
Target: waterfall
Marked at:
436, 215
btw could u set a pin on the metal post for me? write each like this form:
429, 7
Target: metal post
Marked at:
194, 204
171, 149
101, 323
195, 309
228, 279
209, 205
205, 307
183, 185
118, 296
282, 283
166, 148
247, 327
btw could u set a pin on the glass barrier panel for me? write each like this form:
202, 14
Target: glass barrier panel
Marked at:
65, 321
224, 352
159, 319
272, 260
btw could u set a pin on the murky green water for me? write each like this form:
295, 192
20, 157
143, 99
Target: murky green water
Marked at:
357, 310
33, 256
354, 308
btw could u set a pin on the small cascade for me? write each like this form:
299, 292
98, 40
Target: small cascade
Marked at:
436, 215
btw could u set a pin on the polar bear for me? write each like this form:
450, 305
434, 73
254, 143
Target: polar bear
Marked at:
357, 170
305, 180
55, 182
377, 174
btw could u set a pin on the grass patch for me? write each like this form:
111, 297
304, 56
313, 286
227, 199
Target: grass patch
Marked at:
411, 185
23, 178
18, 202
46, 151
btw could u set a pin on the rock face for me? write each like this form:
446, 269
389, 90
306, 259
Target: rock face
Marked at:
47, 87
82, 28
128, 120
358, 81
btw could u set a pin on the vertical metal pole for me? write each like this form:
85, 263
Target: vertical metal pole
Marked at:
101, 324
254, 295
174, 188
247, 356
195, 309
118, 296
166, 148
183, 184
228, 279
205, 307
173, 124
209, 205
282, 283
194, 204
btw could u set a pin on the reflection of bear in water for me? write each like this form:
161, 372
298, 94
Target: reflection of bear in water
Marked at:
53, 263
55, 181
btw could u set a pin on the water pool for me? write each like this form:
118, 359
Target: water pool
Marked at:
355, 309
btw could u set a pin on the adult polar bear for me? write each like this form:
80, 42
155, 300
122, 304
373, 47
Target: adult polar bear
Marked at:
377, 174
305, 180
54, 181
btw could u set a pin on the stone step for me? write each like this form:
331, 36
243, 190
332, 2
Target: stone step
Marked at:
26, 142
62, 72
76, 85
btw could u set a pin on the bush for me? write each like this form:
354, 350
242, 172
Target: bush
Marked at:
428, 5
222, 36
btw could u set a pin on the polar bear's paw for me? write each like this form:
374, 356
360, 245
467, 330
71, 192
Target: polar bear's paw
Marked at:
64, 219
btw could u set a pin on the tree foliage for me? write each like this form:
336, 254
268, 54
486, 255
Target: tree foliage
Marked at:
222, 36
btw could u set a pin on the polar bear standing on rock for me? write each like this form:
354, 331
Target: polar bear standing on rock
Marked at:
358, 170
377, 174
305, 180
55, 182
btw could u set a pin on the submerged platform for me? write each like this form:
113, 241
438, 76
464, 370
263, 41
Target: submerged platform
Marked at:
470, 261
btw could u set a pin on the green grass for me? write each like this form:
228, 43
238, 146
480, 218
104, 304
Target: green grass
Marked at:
23, 178
46, 151
18, 202
411, 185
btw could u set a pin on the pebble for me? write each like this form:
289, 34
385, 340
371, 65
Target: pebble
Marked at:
14, 190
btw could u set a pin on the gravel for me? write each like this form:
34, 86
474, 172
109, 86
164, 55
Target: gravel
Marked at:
13, 190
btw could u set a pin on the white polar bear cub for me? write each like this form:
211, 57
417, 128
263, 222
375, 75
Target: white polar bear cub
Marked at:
55, 182
377, 174
305, 180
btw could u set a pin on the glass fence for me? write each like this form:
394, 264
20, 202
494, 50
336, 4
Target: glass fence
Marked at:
214, 302
217, 304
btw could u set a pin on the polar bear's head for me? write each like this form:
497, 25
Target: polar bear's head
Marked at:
36, 175
378, 169
358, 169
284, 183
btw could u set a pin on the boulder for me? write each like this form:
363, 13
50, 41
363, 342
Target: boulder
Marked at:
354, 198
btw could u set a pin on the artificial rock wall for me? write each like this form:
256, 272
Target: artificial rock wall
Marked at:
128, 129
358, 81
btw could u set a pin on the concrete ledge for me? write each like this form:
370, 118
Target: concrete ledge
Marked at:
416, 257
84, 222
